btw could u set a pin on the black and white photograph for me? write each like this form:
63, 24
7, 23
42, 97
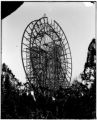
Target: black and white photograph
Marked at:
48, 60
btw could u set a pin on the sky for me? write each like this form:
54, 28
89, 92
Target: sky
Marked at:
77, 20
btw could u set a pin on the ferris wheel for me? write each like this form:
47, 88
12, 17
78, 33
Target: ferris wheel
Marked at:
46, 54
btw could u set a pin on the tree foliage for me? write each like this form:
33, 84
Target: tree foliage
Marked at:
23, 101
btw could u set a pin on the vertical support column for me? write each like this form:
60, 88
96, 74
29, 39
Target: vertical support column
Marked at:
29, 61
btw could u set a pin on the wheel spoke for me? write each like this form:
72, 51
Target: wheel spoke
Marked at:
25, 45
27, 39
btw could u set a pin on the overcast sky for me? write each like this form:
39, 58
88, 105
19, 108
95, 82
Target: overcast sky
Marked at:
76, 19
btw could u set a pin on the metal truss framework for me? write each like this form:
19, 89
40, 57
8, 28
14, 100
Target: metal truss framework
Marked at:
46, 54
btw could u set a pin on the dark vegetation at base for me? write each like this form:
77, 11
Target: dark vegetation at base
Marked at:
76, 102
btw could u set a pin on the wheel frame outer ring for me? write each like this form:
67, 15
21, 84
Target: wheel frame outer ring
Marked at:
31, 33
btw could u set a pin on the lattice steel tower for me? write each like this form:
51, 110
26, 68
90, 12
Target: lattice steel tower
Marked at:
46, 54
